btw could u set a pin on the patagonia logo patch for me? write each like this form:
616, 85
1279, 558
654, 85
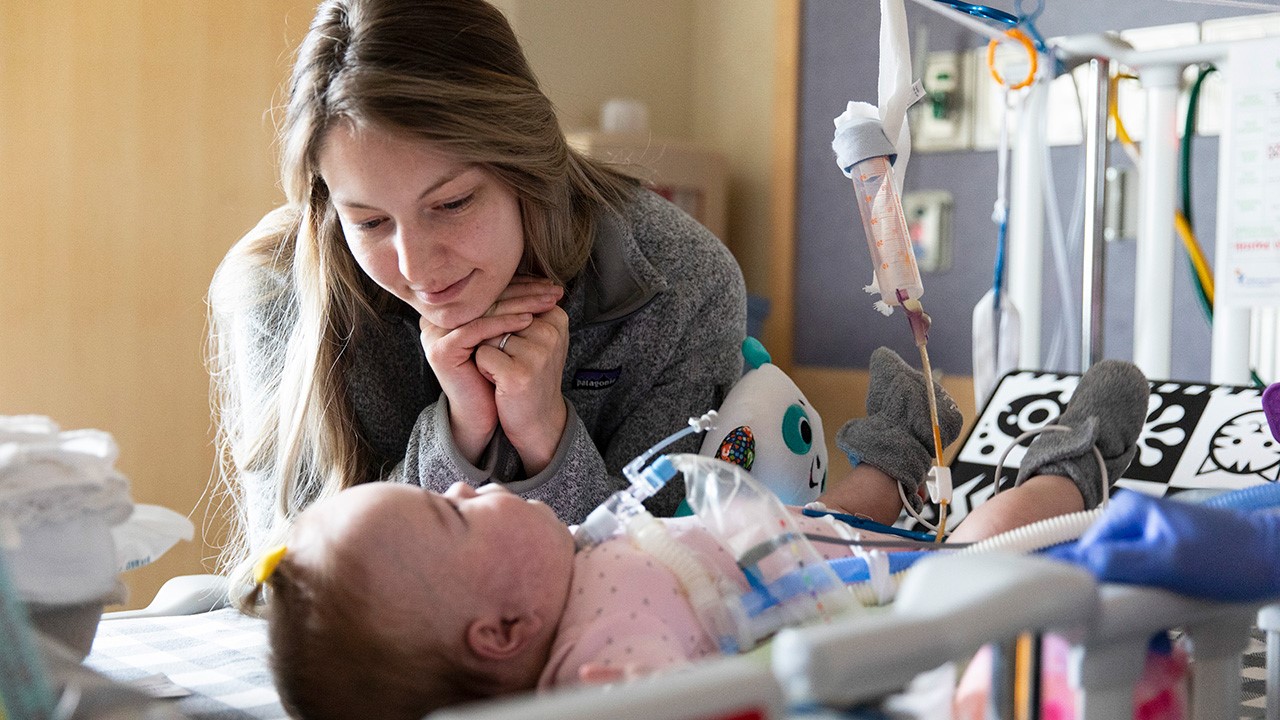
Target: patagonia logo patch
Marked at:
596, 378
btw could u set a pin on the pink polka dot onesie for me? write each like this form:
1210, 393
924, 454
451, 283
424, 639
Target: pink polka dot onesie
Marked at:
628, 613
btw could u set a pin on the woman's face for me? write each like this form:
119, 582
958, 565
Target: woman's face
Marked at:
442, 235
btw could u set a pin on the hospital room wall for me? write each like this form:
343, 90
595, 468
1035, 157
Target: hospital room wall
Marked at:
704, 68
136, 145
835, 327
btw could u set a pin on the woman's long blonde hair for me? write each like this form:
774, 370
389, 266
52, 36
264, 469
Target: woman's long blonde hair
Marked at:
452, 73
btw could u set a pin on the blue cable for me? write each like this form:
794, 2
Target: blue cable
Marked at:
1028, 20
865, 524
982, 11
998, 282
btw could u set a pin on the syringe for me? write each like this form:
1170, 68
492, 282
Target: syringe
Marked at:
888, 238
897, 280
864, 154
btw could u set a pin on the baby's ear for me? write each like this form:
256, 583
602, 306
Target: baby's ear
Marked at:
501, 638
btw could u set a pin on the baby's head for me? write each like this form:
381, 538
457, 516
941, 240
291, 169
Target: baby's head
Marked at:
392, 601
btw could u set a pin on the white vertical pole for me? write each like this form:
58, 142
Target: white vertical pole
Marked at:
1026, 224
1229, 357
1153, 281
1094, 253
1262, 353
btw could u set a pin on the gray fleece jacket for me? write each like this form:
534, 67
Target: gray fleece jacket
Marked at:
656, 323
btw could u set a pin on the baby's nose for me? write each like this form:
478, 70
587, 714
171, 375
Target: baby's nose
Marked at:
461, 490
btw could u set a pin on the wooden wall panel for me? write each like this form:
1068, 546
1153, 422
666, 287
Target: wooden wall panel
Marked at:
135, 147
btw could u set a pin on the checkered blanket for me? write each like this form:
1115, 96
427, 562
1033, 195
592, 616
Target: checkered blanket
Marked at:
1253, 693
220, 658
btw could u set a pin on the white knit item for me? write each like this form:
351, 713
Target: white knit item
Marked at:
60, 495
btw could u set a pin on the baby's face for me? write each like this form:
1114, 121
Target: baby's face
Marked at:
482, 538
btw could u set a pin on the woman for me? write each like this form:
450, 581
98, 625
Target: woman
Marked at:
451, 293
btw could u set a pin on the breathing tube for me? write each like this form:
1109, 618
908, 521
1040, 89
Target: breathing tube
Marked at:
852, 571
1065, 528
748, 521
1252, 498
623, 512
626, 503
763, 538
711, 597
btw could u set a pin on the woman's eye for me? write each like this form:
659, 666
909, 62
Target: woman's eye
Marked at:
456, 205
368, 225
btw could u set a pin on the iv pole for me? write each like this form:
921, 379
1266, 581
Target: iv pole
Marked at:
1153, 301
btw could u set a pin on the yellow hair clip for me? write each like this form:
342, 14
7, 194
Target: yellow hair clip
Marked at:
267, 564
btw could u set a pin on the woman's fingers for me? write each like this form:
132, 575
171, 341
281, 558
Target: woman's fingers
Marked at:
473, 412
525, 297
526, 375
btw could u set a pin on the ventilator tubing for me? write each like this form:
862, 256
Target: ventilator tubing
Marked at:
1020, 541
712, 598
1250, 499
762, 536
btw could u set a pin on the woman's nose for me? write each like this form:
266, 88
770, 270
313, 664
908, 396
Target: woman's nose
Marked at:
415, 254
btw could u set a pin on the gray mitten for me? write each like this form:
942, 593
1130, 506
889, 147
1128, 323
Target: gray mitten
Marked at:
896, 436
1107, 409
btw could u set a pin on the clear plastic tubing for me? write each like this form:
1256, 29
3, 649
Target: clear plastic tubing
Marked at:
888, 238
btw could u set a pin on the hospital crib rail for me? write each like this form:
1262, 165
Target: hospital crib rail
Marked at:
947, 608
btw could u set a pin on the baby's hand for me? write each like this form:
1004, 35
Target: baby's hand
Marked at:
599, 674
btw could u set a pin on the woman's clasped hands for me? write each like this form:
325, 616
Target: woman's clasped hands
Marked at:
504, 369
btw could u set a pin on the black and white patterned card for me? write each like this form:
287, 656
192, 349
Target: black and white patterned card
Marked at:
1196, 436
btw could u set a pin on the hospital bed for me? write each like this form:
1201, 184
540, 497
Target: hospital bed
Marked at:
219, 656
947, 608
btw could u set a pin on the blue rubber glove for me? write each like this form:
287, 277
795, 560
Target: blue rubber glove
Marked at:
1203, 552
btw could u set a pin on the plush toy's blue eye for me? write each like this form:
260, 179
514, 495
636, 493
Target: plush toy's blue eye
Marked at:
796, 430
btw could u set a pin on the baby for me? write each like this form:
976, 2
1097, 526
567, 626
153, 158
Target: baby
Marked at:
391, 601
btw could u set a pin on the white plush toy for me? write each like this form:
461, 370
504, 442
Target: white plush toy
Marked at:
767, 426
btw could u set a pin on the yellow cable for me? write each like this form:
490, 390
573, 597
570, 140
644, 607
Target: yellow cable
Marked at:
1113, 109
1188, 237
1195, 253
1024, 677
1020, 37
937, 434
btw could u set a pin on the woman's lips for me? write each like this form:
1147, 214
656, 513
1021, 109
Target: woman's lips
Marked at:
449, 294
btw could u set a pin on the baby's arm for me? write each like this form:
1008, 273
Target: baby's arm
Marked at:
866, 492
625, 644
635, 658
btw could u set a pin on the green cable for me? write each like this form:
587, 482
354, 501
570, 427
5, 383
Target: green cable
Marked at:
1188, 132
1201, 295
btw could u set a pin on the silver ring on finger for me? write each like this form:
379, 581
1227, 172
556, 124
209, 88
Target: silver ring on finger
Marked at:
502, 344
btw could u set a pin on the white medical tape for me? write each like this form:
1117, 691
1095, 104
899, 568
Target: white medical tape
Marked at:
860, 135
894, 89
